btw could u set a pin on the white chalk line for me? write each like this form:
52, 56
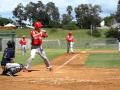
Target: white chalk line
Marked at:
69, 60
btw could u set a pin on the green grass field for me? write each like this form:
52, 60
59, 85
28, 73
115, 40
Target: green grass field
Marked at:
54, 33
94, 60
51, 54
104, 60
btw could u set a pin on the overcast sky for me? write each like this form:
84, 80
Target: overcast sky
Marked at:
108, 6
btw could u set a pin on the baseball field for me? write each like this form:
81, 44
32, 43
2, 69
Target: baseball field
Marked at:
95, 65
70, 72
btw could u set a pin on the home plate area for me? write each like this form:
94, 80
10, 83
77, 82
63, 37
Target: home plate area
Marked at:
69, 73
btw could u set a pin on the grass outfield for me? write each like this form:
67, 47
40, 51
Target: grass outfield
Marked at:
51, 53
52, 33
103, 60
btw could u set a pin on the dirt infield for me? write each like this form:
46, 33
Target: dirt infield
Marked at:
69, 74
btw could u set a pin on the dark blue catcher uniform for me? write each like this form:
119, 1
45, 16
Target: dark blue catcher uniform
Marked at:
7, 63
9, 54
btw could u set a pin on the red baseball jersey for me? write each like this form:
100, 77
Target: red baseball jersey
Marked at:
37, 37
23, 41
70, 38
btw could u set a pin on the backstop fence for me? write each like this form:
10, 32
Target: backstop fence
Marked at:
4, 37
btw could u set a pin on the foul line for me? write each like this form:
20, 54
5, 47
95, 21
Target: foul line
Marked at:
67, 62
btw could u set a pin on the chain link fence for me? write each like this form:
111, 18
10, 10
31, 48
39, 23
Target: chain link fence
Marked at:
88, 43
4, 37
110, 43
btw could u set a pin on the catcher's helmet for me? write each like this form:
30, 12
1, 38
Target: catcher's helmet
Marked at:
11, 44
38, 25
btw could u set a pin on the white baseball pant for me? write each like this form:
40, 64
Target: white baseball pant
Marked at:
12, 65
70, 47
40, 51
23, 47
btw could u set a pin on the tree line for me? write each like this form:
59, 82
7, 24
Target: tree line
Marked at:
85, 15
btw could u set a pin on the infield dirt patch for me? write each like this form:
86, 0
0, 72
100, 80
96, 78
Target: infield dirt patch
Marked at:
69, 73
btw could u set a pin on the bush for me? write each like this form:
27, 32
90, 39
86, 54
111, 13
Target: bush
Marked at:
70, 26
95, 33
112, 33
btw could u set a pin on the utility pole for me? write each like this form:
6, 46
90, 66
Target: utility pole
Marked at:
91, 30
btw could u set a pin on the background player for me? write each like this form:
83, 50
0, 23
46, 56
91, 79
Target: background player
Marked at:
23, 42
70, 42
36, 46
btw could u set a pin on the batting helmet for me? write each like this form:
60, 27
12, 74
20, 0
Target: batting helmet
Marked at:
38, 25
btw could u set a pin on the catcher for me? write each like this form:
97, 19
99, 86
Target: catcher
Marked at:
36, 46
70, 42
10, 68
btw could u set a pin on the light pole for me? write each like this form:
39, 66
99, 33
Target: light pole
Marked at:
91, 30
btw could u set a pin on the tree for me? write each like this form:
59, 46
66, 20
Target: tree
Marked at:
35, 11
69, 9
109, 20
4, 21
87, 15
53, 14
31, 11
66, 19
19, 12
48, 14
117, 16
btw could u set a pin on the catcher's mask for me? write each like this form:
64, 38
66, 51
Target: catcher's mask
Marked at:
11, 44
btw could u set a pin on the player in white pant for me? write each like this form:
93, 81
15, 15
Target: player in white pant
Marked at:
23, 47
70, 42
36, 37
40, 51
70, 47
23, 42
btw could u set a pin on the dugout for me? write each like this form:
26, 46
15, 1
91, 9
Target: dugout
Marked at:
4, 37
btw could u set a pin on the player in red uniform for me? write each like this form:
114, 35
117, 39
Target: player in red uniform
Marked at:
70, 42
23, 42
36, 45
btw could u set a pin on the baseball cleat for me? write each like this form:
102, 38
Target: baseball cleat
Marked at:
50, 68
25, 70
9, 74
